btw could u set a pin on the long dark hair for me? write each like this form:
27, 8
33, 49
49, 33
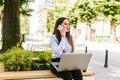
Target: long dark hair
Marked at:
58, 34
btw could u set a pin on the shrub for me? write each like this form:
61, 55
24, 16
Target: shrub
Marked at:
16, 59
43, 61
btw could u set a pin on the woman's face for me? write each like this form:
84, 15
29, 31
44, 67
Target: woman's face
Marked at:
66, 25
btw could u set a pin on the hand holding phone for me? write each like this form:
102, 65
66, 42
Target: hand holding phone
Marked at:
59, 27
62, 30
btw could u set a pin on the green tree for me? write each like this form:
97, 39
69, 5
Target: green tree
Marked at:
73, 14
87, 14
11, 35
111, 11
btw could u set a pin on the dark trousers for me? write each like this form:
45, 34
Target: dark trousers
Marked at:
67, 75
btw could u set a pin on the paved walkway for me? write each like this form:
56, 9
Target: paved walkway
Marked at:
101, 72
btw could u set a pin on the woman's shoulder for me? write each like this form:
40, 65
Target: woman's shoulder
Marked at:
53, 37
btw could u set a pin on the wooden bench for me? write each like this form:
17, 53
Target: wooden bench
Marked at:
33, 74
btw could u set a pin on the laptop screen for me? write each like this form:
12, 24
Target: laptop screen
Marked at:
74, 61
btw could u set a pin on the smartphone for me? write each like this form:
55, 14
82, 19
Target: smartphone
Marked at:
59, 27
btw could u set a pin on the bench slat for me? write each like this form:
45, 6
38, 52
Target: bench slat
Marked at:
33, 74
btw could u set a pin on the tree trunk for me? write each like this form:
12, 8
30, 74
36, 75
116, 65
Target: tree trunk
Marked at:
89, 32
11, 24
113, 38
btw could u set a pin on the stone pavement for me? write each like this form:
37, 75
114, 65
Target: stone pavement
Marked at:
104, 73
101, 72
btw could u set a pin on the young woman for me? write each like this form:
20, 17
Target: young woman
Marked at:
62, 42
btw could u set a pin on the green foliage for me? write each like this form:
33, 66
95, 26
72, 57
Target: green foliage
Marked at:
26, 1
101, 38
110, 10
16, 59
1, 2
73, 16
24, 9
43, 61
45, 56
87, 13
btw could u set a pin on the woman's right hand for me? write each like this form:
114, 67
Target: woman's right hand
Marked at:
63, 32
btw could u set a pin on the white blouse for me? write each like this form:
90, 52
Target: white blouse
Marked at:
59, 47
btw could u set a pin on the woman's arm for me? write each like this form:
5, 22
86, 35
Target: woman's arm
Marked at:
56, 46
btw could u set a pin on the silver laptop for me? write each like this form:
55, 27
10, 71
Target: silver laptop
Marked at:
73, 61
